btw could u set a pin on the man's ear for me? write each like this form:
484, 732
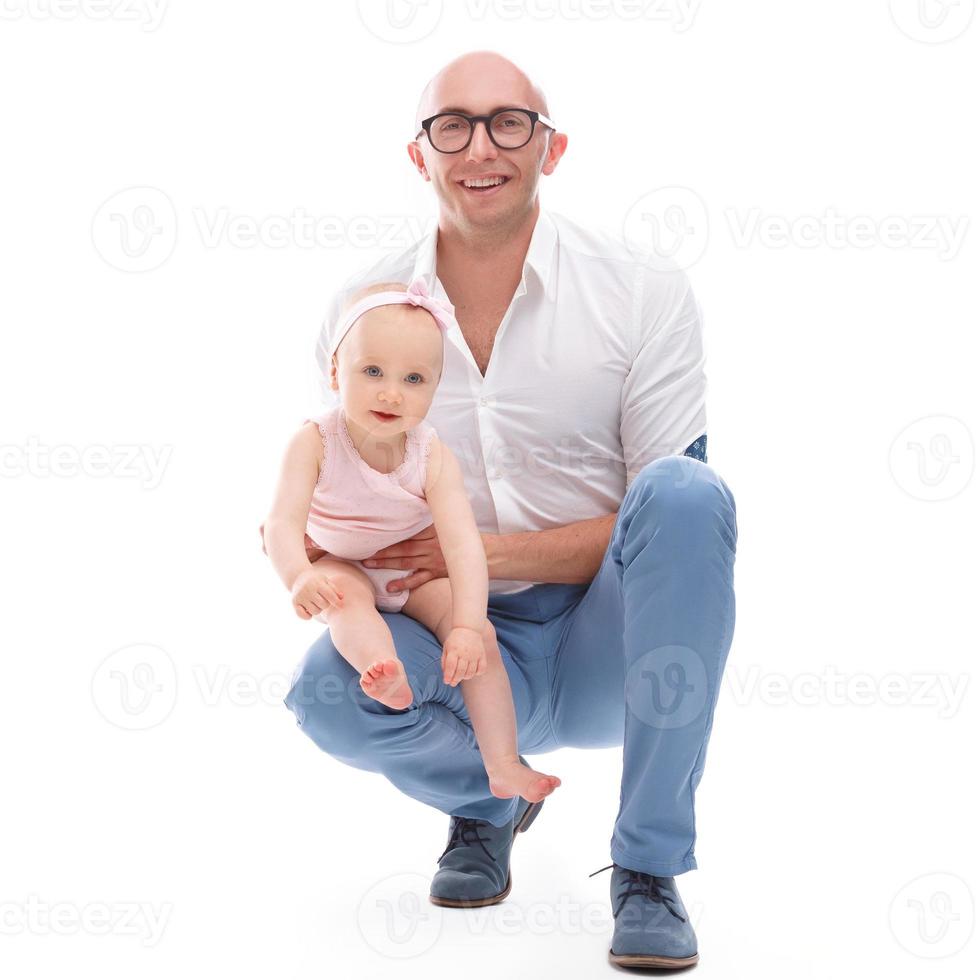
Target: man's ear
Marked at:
415, 155
557, 144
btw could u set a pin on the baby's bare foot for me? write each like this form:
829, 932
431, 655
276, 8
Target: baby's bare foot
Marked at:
386, 681
516, 779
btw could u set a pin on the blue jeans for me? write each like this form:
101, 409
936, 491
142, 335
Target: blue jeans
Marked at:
634, 658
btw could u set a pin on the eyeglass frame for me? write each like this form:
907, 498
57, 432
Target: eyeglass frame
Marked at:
536, 117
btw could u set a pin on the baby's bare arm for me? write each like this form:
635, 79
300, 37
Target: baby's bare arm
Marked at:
285, 527
459, 537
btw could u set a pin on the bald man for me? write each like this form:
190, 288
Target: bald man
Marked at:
573, 394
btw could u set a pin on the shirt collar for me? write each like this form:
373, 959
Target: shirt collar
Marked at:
540, 255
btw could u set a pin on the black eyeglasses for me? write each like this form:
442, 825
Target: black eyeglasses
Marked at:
508, 129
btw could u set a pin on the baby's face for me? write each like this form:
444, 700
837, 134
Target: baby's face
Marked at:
389, 362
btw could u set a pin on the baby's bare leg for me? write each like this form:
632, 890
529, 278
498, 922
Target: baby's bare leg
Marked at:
362, 637
488, 698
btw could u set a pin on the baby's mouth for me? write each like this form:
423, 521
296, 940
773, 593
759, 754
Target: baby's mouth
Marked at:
384, 416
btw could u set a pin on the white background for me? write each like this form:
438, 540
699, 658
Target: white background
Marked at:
837, 816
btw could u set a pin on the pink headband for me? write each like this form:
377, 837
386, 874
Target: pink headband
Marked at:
417, 295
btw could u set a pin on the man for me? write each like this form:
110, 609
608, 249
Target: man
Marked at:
573, 395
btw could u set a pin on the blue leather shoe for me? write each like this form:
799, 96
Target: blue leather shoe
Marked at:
474, 869
652, 928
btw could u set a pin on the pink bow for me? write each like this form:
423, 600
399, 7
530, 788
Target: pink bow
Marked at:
419, 295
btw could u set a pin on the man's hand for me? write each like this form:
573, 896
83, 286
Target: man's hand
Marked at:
463, 655
312, 551
421, 552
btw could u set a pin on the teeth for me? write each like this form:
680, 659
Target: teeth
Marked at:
484, 182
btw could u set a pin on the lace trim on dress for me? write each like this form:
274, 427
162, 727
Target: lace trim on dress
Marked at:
424, 457
411, 441
324, 436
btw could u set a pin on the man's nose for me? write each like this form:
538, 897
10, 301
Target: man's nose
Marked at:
481, 146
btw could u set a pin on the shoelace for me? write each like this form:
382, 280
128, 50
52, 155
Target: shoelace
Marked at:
641, 883
466, 831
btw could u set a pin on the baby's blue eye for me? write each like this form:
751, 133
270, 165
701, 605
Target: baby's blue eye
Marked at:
414, 374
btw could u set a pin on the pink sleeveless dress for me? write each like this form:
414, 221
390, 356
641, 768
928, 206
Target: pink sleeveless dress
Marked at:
357, 510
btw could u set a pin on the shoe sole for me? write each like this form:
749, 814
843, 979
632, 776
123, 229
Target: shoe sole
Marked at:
652, 962
527, 818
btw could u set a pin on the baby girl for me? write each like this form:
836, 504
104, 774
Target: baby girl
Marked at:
373, 472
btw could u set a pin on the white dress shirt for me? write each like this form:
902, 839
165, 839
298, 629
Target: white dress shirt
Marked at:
597, 368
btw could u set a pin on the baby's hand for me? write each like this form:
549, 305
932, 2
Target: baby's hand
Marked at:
463, 655
313, 592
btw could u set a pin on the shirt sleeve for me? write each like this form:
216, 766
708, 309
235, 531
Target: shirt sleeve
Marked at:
663, 407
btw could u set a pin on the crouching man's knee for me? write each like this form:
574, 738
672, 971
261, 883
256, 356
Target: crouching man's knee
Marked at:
327, 700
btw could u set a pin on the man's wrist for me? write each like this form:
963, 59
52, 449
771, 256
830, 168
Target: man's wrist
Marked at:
492, 545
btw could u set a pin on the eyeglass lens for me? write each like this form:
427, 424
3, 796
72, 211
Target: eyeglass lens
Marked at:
508, 129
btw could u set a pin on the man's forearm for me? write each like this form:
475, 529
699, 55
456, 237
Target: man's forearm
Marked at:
570, 554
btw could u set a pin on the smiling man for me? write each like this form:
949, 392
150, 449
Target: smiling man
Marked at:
573, 395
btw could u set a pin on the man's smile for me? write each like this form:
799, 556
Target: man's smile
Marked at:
485, 185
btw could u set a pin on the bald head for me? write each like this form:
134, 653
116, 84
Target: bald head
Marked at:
477, 81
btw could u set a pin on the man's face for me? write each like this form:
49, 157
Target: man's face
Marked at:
477, 91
